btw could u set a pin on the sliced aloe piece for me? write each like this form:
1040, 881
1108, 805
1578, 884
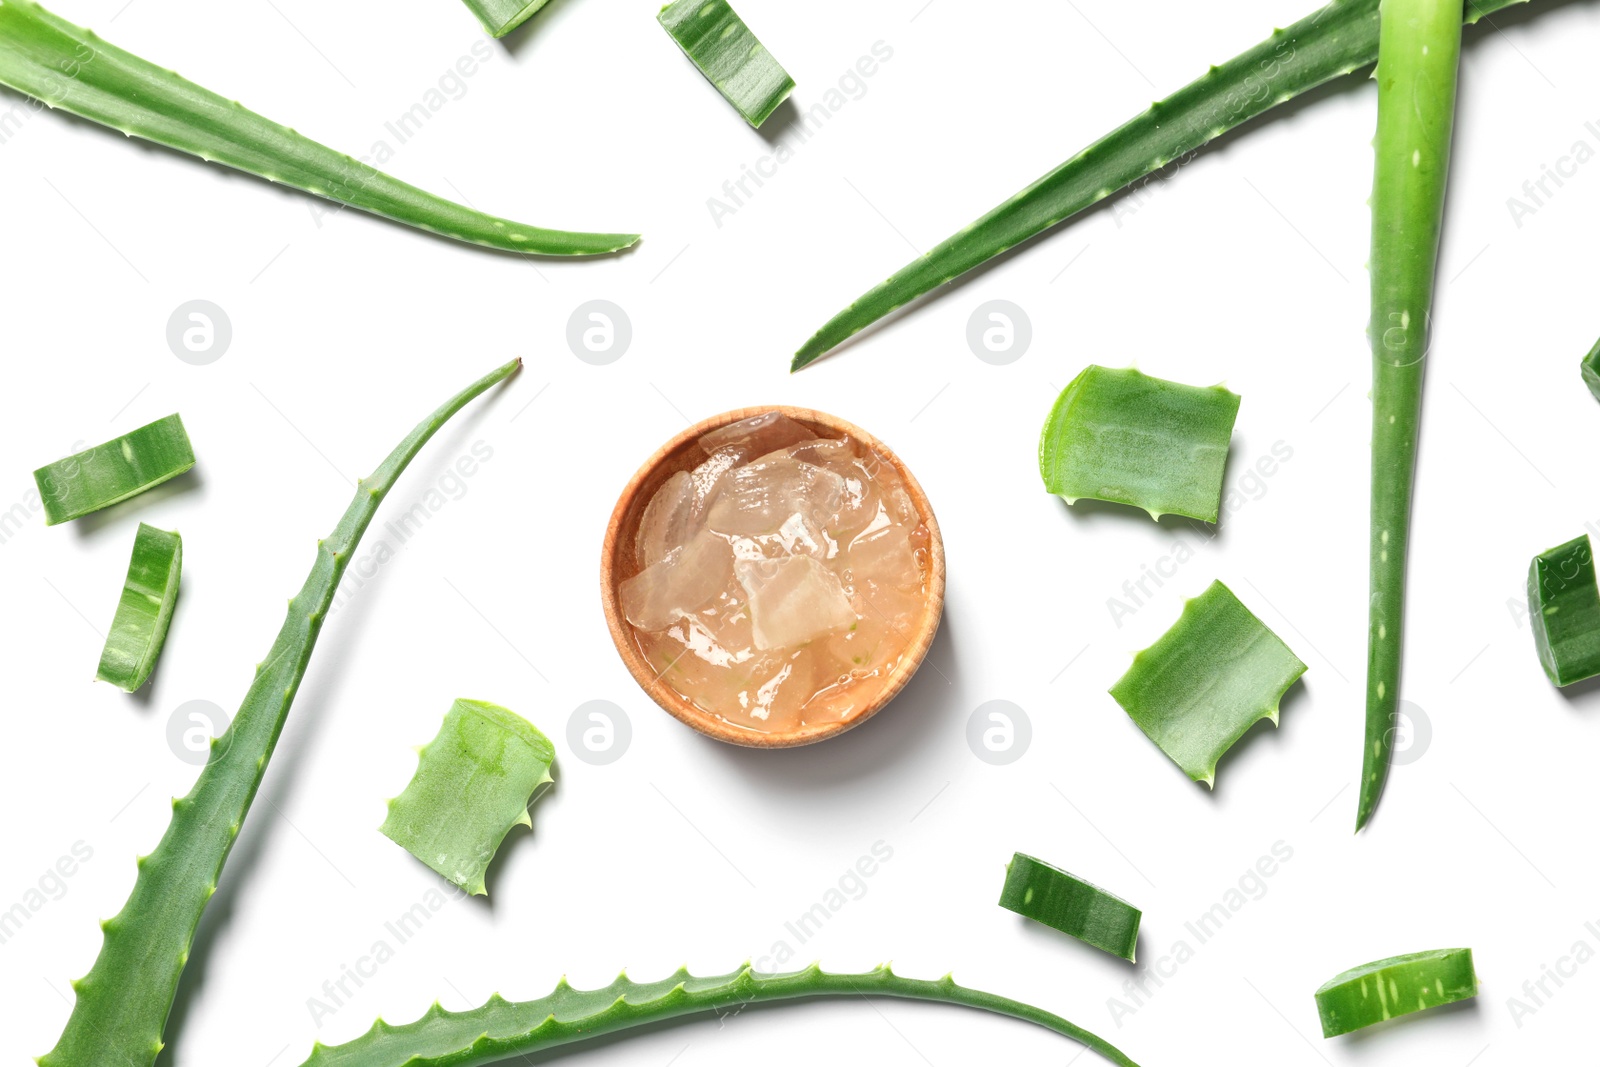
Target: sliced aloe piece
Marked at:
1398, 985
1216, 673
1046, 894
728, 54
1564, 606
472, 785
112, 472
500, 17
1124, 436
139, 627
1591, 370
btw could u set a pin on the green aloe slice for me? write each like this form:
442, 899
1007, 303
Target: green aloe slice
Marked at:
1217, 672
1591, 370
1564, 608
728, 54
139, 628
1398, 985
499, 1030
71, 68
112, 472
1124, 436
1065, 902
472, 785
500, 17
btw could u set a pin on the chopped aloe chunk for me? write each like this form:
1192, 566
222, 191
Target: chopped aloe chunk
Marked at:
1123, 436
112, 472
139, 627
1213, 675
1591, 370
1398, 985
716, 39
472, 785
1564, 606
1065, 902
500, 17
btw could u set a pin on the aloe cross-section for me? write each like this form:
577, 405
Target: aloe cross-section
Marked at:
144, 610
112, 472
1059, 899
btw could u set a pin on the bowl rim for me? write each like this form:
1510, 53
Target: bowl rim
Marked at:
926, 627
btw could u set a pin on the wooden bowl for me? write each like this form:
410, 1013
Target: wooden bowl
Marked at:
618, 564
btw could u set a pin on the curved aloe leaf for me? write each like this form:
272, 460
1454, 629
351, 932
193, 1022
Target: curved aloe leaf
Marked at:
472, 785
112, 472
1061, 900
123, 1001
139, 628
1399, 985
1417, 65
71, 68
500, 1028
1591, 370
1335, 40
1216, 673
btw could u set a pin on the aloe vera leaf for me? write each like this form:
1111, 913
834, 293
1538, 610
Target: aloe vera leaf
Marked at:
1123, 436
71, 68
1063, 901
716, 39
1564, 608
472, 785
500, 1028
1333, 40
1218, 671
112, 472
1591, 370
139, 628
1416, 75
500, 17
1398, 985
122, 1003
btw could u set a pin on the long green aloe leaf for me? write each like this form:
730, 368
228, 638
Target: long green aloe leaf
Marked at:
1417, 64
1334, 40
122, 1003
144, 610
501, 1029
71, 68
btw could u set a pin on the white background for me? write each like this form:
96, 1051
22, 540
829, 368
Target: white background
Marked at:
1247, 267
